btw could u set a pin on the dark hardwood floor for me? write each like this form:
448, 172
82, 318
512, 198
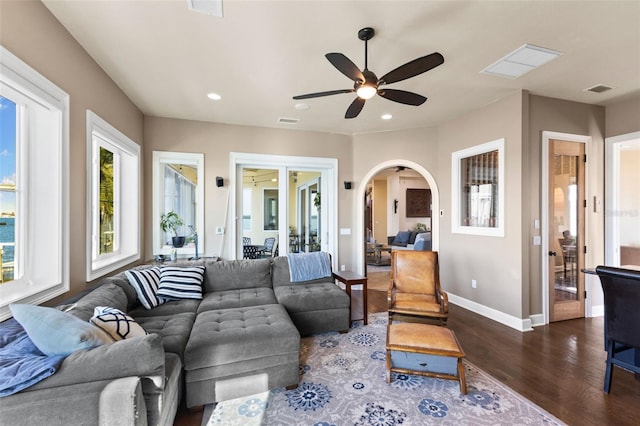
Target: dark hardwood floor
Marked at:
560, 366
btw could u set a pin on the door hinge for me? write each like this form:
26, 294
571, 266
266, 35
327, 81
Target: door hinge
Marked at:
585, 158
585, 204
585, 250
585, 294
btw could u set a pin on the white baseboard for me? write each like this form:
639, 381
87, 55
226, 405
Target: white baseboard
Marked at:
537, 320
499, 316
597, 311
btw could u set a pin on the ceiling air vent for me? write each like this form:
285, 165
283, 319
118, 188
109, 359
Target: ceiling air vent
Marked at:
598, 88
284, 120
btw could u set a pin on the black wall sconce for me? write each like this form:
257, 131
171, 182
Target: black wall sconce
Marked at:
347, 184
395, 206
219, 181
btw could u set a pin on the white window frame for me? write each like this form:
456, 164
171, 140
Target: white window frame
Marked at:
127, 190
42, 137
456, 158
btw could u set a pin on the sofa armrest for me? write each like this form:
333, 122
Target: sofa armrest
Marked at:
140, 356
122, 402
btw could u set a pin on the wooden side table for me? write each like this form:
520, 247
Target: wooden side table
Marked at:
349, 278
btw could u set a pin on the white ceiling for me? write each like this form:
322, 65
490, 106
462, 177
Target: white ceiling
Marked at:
261, 53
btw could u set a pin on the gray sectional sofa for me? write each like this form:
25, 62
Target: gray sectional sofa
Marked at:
243, 337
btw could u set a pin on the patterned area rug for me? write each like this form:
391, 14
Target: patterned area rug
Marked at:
343, 382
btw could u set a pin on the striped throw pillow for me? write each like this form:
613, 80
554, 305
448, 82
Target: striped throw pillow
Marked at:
181, 282
146, 282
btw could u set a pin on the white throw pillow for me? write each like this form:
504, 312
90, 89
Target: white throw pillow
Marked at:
119, 325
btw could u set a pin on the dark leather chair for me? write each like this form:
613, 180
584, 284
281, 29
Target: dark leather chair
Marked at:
622, 319
415, 286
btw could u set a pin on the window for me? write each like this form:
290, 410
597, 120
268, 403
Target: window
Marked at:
178, 186
7, 189
34, 115
113, 194
478, 189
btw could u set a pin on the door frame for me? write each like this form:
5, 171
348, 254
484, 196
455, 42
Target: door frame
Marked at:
328, 167
359, 207
612, 195
544, 216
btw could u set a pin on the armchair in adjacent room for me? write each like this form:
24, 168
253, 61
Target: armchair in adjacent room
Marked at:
414, 289
269, 246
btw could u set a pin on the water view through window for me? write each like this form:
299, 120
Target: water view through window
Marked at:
7, 188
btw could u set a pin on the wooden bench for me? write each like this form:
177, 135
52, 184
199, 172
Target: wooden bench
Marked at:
426, 350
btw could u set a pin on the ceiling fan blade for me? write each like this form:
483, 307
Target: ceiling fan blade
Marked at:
319, 94
413, 68
402, 96
355, 108
345, 66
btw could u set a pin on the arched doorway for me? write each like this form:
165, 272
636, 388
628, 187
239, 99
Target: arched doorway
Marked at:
360, 208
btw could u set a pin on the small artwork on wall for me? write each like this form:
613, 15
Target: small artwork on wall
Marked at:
418, 202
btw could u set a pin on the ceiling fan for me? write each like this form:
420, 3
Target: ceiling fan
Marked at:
366, 84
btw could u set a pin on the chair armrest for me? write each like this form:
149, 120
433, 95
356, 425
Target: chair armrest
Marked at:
444, 302
391, 297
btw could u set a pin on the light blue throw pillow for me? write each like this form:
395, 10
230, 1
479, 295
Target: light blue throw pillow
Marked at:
57, 333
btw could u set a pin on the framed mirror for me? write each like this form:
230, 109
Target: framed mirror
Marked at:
178, 186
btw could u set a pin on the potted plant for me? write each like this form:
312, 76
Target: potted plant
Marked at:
171, 222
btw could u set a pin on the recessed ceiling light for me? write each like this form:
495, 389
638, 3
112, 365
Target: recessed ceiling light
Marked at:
522, 60
214, 96
386, 116
301, 106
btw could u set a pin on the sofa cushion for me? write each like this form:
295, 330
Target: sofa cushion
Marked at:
303, 297
237, 298
282, 276
116, 323
412, 237
173, 307
173, 329
240, 334
146, 282
402, 238
142, 356
104, 295
55, 332
180, 282
236, 274
122, 281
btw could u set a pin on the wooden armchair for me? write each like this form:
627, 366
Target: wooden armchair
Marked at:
415, 286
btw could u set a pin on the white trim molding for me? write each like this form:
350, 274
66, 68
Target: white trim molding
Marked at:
520, 324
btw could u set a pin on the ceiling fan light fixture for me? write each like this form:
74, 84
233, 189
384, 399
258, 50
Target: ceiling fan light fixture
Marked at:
366, 91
